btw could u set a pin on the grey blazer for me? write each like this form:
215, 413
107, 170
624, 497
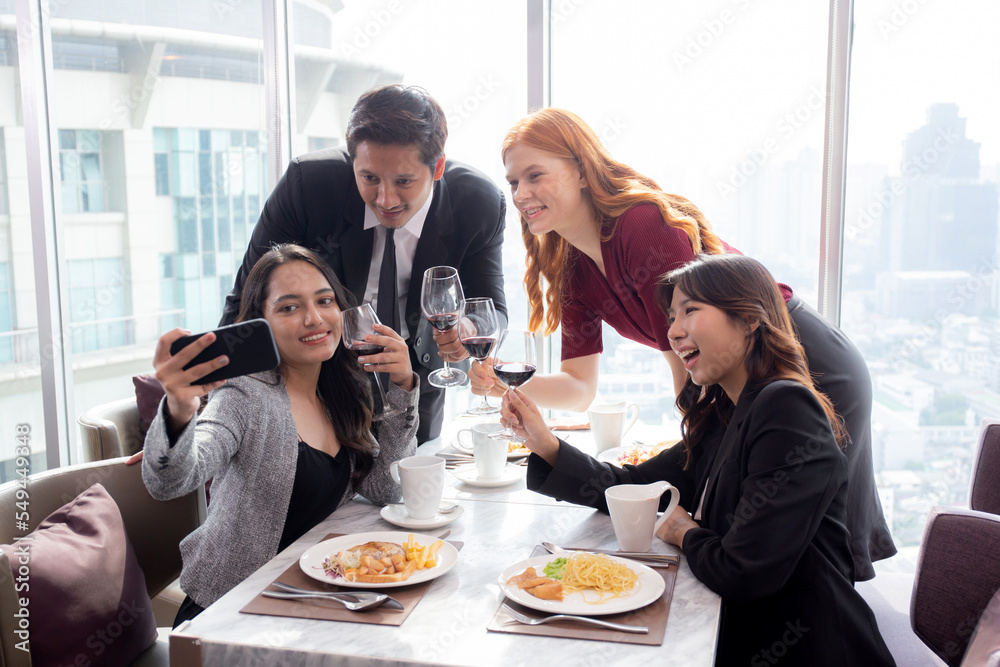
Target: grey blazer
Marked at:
245, 440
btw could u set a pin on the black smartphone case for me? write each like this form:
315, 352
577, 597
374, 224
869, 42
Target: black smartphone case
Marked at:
249, 345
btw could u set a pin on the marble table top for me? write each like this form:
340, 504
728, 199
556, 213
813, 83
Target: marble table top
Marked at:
448, 627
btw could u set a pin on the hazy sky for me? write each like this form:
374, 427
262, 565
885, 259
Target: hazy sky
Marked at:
703, 83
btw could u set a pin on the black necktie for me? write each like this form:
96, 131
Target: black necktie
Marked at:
388, 309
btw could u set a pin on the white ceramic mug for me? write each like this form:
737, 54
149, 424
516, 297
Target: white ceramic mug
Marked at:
422, 479
633, 512
608, 423
489, 453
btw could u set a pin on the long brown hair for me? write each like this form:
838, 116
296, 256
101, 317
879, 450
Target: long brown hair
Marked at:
741, 287
343, 387
613, 187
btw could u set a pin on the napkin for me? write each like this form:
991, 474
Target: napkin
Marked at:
331, 610
653, 616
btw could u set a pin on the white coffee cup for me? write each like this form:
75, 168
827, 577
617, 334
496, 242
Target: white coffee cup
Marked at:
489, 453
422, 479
633, 512
608, 423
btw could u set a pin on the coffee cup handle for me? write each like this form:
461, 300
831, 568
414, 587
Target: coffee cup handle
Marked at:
634, 409
394, 472
675, 499
458, 436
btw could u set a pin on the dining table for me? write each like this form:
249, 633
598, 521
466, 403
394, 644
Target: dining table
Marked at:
498, 526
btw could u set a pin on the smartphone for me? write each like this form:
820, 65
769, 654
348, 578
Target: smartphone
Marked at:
249, 345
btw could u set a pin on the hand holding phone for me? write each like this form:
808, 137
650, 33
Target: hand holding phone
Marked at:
189, 367
249, 346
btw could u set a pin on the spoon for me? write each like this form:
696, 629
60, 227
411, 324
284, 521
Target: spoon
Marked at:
362, 600
446, 509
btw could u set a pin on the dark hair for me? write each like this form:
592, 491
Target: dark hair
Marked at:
343, 387
404, 115
744, 289
613, 187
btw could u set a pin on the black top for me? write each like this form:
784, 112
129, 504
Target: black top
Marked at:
320, 483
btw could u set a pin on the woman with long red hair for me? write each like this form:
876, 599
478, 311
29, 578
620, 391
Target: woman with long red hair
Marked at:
599, 235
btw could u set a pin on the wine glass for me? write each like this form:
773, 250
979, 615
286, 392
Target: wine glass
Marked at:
441, 302
478, 332
514, 364
358, 322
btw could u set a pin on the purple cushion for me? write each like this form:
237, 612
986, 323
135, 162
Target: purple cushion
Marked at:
86, 593
984, 649
148, 393
985, 493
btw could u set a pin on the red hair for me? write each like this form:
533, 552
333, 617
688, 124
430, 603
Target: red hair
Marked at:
613, 187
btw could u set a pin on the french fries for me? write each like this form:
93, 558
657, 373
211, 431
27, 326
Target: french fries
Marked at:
396, 568
425, 556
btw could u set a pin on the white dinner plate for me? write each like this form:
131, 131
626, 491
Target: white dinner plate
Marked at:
612, 455
396, 514
511, 473
311, 561
520, 454
648, 589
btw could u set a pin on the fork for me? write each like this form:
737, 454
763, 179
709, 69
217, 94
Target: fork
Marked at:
527, 620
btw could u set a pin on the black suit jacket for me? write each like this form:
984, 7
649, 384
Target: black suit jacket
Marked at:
317, 204
771, 541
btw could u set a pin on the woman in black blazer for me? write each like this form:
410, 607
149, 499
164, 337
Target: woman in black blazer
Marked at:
768, 500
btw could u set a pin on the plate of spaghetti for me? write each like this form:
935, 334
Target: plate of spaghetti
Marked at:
583, 583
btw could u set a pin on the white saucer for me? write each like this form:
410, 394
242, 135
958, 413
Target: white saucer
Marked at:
396, 515
511, 473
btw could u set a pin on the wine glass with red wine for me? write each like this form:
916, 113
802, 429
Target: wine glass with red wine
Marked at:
358, 322
478, 331
441, 302
514, 364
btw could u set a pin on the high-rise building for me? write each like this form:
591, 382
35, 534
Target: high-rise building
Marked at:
943, 217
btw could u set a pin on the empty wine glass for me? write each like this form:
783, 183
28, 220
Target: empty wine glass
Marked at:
478, 332
514, 364
358, 322
441, 302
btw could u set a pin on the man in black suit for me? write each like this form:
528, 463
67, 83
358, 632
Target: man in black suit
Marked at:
392, 182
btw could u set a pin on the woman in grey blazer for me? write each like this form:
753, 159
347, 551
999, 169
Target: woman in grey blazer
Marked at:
769, 497
284, 448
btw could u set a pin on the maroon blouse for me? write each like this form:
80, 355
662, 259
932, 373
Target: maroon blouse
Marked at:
642, 248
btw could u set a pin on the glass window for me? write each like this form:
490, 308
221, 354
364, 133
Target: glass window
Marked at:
140, 105
227, 167
920, 291
80, 171
668, 99
97, 304
21, 415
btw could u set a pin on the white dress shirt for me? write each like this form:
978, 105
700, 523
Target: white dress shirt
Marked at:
406, 238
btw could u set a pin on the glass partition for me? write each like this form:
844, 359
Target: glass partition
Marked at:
920, 292
721, 102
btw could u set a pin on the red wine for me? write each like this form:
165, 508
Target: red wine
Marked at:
514, 373
364, 349
444, 321
478, 347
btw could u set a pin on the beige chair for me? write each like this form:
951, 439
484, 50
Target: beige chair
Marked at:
110, 430
154, 527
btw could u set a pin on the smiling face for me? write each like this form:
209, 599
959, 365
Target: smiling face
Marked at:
392, 180
546, 189
711, 344
303, 313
